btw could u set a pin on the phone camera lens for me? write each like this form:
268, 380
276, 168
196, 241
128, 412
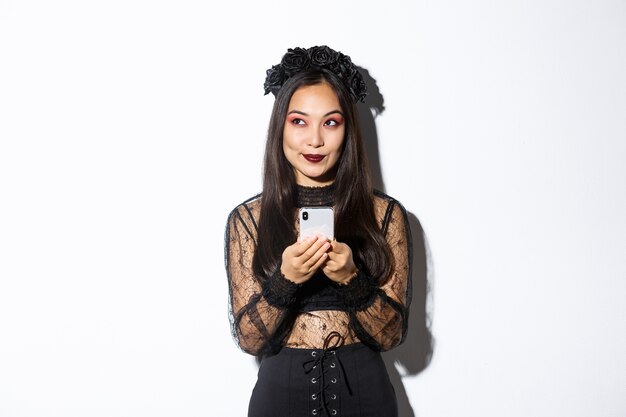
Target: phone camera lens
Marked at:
305, 215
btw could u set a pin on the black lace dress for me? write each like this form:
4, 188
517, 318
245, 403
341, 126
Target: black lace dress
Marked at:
285, 323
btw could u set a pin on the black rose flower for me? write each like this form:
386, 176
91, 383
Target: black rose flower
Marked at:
343, 67
322, 56
358, 88
295, 60
274, 79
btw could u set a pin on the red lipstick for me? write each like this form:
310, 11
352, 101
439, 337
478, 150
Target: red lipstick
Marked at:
313, 157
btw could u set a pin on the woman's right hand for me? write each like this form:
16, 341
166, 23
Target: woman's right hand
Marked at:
302, 259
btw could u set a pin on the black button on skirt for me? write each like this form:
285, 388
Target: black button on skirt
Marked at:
350, 381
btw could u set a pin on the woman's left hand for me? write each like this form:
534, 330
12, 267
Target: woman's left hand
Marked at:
340, 266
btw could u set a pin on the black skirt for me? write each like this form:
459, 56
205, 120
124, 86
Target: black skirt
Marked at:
349, 381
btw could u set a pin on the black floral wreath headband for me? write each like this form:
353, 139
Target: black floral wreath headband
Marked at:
316, 57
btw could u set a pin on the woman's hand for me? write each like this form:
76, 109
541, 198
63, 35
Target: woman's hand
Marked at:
302, 259
340, 266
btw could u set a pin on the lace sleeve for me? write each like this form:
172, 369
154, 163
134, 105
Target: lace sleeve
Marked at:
378, 314
258, 307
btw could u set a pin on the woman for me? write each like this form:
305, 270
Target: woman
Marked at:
318, 312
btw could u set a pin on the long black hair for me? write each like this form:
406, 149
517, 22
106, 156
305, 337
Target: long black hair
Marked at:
355, 220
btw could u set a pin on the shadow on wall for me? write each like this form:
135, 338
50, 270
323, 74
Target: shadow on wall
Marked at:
414, 355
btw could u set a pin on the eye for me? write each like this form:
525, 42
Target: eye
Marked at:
297, 121
331, 122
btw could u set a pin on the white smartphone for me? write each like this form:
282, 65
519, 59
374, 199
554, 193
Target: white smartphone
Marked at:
316, 221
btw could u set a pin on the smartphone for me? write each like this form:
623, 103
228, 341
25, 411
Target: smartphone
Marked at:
316, 221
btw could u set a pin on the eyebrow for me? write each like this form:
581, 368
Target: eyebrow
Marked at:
305, 114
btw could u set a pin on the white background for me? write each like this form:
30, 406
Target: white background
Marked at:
130, 129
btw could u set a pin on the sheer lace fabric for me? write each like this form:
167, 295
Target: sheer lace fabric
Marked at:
269, 312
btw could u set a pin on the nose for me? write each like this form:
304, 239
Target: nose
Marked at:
316, 140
